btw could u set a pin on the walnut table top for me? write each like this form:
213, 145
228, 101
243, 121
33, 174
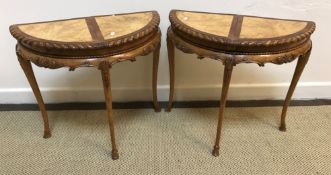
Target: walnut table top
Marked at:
238, 33
96, 36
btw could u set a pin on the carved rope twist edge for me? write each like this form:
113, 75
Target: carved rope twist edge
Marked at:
55, 63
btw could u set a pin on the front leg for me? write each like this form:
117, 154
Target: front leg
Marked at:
225, 87
156, 55
104, 67
171, 58
27, 68
302, 61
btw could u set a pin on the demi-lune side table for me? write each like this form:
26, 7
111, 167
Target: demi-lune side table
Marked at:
234, 39
97, 41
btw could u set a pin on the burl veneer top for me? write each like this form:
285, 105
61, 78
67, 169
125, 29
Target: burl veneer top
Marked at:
98, 35
238, 33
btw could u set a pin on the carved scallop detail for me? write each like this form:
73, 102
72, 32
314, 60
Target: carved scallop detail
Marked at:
236, 58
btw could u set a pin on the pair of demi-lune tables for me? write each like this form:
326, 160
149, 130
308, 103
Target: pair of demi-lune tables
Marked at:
102, 41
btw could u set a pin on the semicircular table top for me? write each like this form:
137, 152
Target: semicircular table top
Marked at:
96, 32
239, 32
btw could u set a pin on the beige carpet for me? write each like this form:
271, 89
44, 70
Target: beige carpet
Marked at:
179, 142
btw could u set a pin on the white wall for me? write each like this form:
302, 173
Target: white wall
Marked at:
195, 79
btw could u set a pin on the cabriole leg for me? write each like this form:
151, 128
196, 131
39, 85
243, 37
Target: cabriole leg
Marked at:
225, 87
156, 55
27, 68
302, 61
104, 67
171, 58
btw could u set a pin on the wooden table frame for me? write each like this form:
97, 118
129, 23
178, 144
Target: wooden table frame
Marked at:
25, 57
230, 60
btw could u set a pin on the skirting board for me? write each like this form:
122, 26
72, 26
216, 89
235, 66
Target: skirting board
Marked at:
304, 91
176, 104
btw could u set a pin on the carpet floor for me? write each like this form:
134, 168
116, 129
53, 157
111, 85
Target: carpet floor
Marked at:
163, 143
